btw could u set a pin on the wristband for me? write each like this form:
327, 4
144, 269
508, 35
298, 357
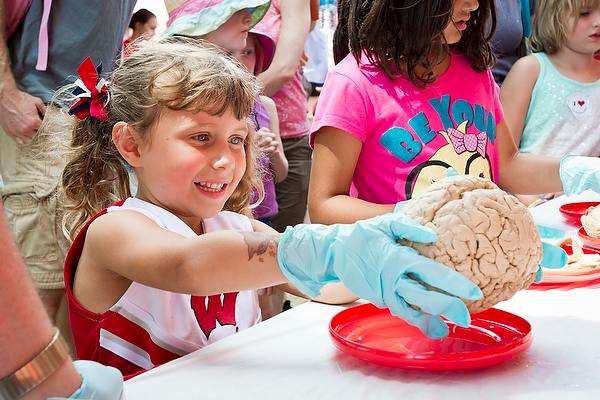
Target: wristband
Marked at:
35, 371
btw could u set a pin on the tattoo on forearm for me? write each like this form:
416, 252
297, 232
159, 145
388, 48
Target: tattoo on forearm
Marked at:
260, 243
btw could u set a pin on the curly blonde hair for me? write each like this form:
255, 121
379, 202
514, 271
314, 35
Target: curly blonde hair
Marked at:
176, 74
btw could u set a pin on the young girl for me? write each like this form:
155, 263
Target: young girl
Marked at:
231, 33
256, 57
550, 97
161, 274
222, 22
411, 96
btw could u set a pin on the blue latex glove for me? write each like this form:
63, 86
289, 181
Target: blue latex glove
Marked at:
579, 173
399, 205
451, 172
547, 232
367, 259
554, 258
99, 382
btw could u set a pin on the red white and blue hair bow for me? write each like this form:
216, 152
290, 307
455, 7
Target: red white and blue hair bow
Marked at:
92, 92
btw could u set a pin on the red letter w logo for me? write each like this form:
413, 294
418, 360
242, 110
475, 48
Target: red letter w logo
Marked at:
209, 313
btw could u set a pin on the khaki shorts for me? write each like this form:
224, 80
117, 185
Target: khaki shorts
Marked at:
31, 175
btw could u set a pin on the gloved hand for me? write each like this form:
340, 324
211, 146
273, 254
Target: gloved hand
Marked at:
367, 259
554, 258
399, 205
98, 382
579, 173
451, 172
547, 232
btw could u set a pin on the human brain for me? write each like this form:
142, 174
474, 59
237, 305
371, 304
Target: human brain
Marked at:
483, 232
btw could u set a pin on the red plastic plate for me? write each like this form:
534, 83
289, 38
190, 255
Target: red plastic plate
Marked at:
374, 335
573, 211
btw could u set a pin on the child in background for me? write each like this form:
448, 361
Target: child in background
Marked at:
411, 96
143, 24
159, 275
224, 23
256, 56
550, 97
513, 29
288, 23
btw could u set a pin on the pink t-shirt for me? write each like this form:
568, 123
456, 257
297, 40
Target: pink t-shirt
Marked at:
292, 107
411, 136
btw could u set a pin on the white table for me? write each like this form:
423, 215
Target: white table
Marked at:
291, 356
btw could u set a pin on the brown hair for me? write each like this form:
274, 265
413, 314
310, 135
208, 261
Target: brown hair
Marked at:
177, 74
142, 16
399, 36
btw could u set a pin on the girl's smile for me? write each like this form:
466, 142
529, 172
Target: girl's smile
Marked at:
214, 190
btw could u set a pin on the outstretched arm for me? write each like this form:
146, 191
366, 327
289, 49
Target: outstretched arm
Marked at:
127, 246
138, 250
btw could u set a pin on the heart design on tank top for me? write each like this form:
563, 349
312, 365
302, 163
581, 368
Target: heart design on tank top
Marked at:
580, 105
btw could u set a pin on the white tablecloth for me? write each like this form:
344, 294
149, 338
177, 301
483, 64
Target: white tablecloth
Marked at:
291, 356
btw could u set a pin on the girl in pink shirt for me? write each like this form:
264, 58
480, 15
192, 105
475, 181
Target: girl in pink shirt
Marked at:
412, 97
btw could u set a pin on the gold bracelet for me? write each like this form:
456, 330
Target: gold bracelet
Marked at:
35, 371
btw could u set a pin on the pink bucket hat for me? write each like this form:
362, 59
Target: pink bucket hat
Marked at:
268, 50
199, 17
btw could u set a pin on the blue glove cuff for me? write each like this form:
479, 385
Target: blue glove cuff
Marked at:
579, 173
399, 205
291, 263
566, 176
97, 381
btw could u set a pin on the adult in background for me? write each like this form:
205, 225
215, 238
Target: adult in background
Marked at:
143, 24
288, 23
30, 346
49, 44
514, 21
